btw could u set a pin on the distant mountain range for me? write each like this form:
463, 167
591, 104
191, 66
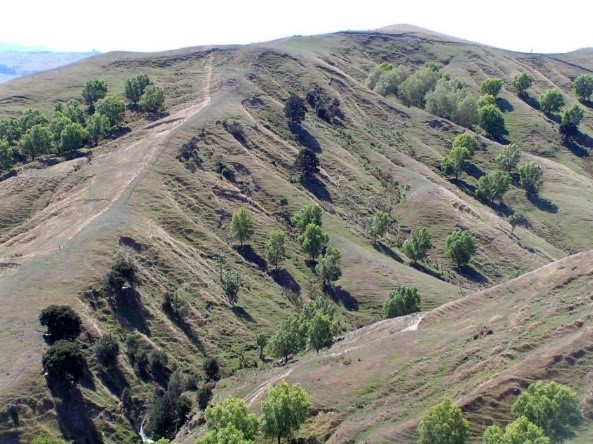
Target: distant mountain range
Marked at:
18, 60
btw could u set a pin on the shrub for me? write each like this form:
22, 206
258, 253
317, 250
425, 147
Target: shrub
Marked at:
93, 90
64, 359
204, 396
583, 86
284, 409
491, 86
443, 424
211, 369
551, 101
62, 322
153, 99
460, 247
295, 109
106, 351
121, 272
231, 284
531, 177
401, 301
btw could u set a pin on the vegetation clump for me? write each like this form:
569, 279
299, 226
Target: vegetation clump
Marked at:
401, 301
62, 322
443, 424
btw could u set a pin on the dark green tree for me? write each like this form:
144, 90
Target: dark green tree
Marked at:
456, 161
73, 136
153, 99
531, 177
106, 350
287, 341
93, 90
113, 108
134, 87
491, 120
306, 163
401, 301
551, 101
466, 140
460, 247
522, 82
10, 130
285, 408
321, 332
261, 340
62, 322
64, 360
97, 127
30, 118
443, 424
212, 369
583, 86
515, 220
295, 109
6, 155
313, 240
36, 141
486, 99
73, 111
417, 245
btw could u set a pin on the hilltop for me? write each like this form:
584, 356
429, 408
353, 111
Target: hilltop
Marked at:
64, 222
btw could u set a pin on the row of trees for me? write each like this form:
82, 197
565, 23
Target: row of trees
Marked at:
545, 413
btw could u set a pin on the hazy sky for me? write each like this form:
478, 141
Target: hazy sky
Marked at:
105, 25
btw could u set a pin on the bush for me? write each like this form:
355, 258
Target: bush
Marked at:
531, 177
443, 424
295, 109
491, 86
493, 186
491, 120
64, 359
62, 322
377, 225
551, 101
306, 163
231, 284
153, 99
522, 82
460, 247
401, 301
93, 90
106, 351
121, 272
211, 369
313, 240
204, 396
583, 86
486, 99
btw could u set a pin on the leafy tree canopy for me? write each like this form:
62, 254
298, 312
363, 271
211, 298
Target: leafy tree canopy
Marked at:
310, 214
93, 90
62, 322
520, 431
113, 108
328, 267
573, 114
491, 85
522, 82
443, 424
583, 86
232, 411
295, 109
306, 163
153, 99
493, 186
134, 87
460, 247
377, 225
551, 101
509, 157
491, 120
64, 359
242, 224
417, 245
313, 240
401, 301
285, 408
275, 249
531, 177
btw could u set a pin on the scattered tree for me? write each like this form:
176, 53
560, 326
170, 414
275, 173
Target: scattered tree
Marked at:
313, 240
275, 249
30, 118
466, 140
385, 78
491, 86
226, 435
62, 322
413, 90
73, 112
6, 155
310, 214
491, 120
551, 101
122, 272
531, 177
232, 411
401, 301
63, 360
10, 130
113, 108
295, 109
37, 140
212, 369
93, 90
553, 407
461, 246
242, 225
328, 267
456, 161
520, 431
261, 340
220, 259
306, 163
134, 87
486, 99
286, 341
321, 331
572, 115
583, 86
153, 99
377, 225
493, 186
417, 245
106, 350
509, 157
516, 219
522, 82
285, 408
97, 127
73, 136
231, 284
443, 424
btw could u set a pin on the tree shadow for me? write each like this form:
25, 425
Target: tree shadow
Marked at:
542, 204
317, 188
474, 171
574, 148
464, 186
182, 324
241, 313
531, 101
311, 264
341, 296
504, 105
553, 117
87, 380
387, 251
114, 379
250, 255
472, 274
424, 269
585, 139
129, 311
153, 117
283, 278
587, 103
500, 208
119, 132
304, 137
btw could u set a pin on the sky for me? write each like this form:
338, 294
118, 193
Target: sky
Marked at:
132, 25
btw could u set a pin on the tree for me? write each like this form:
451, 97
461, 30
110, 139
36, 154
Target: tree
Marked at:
310, 214
443, 424
583, 86
522, 82
97, 127
572, 115
417, 245
466, 140
306, 163
377, 225
456, 161
491, 120
466, 114
552, 406
493, 186
321, 332
231, 284
520, 431
413, 90
153, 99
486, 99
62, 322
10, 130
106, 350
37, 140
57, 124
275, 250
509, 157
401, 301
491, 86
220, 259
6, 155
72, 136
212, 369
286, 341
134, 87
242, 224
313, 240
385, 78
121, 272
30, 118
516, 219
328, 267
93, 90
261, 340
113, 108
73, 112
531, 177
460, 247
232, 411
450, 100
551, 101
295, 109
45, 439
285, 408
62, 360
226, 435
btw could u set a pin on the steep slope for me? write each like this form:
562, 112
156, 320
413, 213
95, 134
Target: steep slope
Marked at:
63, 225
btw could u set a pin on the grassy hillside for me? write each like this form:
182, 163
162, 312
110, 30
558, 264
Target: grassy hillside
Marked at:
14, 64
62, 225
